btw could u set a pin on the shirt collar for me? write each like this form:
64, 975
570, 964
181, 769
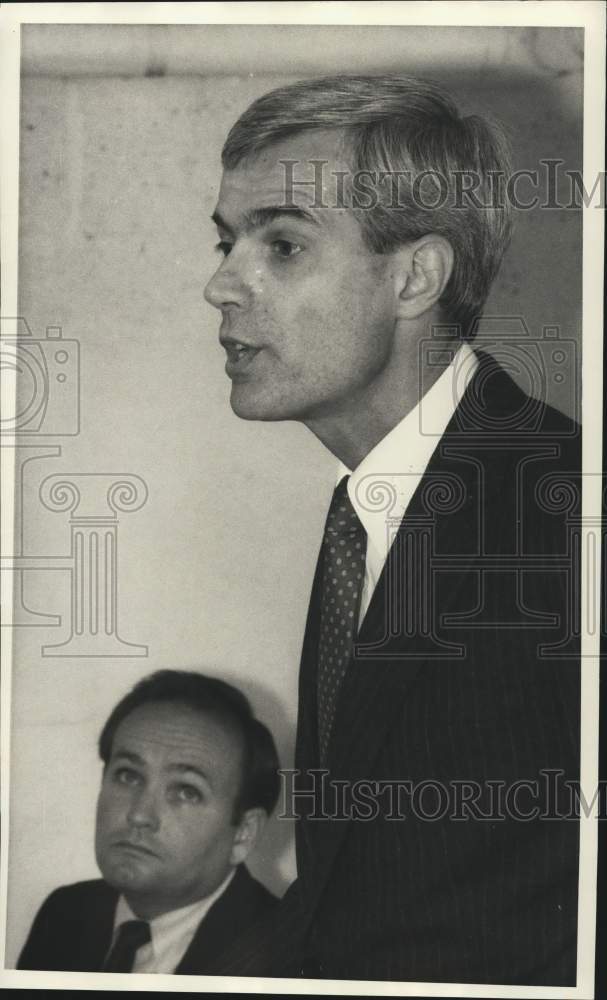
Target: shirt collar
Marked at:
382, 485
167, 927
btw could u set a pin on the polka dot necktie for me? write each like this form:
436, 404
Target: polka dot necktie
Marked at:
132, 935
343, 549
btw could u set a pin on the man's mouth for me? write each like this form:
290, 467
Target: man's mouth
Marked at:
239, 356
132, 848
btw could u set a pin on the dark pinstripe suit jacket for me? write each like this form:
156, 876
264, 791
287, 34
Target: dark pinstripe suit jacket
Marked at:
473, 689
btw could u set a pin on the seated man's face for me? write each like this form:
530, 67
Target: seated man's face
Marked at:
165, 832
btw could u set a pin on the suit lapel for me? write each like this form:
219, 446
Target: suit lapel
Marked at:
96, 929
236, 910
449, 522
306, 750
391, 651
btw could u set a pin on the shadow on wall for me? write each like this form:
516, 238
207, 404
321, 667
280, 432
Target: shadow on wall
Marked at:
271, 856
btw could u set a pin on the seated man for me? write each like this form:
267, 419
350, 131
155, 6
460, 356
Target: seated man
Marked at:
189, 779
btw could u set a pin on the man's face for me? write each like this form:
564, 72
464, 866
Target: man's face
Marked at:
165, 812
308, 318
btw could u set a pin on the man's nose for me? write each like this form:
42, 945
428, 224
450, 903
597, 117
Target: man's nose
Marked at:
229, 286
144, 809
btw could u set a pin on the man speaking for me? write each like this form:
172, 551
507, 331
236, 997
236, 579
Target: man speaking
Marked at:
189, 779
361, 223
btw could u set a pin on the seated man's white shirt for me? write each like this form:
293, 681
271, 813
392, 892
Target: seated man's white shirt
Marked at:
171, 933
394, 468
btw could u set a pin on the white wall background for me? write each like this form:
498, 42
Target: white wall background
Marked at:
119, 174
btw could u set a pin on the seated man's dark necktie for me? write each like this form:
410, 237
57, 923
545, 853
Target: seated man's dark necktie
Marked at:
132, 935
343, 550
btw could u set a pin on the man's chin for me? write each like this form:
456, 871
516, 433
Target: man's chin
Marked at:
249, 406
124, 873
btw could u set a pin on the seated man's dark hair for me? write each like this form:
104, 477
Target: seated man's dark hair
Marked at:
228, 706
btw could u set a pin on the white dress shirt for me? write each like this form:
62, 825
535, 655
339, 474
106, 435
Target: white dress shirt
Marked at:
171, 933
382, 486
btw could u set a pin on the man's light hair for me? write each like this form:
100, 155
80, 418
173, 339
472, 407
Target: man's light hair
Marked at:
407, 128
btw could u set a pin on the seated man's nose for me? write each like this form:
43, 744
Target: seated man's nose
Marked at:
143, 810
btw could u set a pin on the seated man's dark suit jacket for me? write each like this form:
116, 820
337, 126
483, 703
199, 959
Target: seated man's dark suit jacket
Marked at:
480, 682
73, 929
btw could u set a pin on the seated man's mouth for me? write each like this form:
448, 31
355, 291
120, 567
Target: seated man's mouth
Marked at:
129, 846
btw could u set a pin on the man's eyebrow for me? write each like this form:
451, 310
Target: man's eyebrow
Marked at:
256, 218
185, 767
180, 767
129, 755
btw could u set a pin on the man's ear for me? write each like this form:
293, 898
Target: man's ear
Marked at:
423, 269
248, 832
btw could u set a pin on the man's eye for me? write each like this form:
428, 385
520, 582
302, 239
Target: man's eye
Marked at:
223, 247
284, 248
125, 776
188, 793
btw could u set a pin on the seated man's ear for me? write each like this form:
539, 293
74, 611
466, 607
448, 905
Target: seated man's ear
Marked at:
423, 269
249, 830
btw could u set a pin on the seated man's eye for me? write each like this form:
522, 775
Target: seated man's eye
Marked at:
126, 776
223, 247
188, 793
284, 248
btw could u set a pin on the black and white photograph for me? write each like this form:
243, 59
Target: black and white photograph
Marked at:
302, 539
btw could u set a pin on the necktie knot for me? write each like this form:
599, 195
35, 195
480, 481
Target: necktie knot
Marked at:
132, 935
